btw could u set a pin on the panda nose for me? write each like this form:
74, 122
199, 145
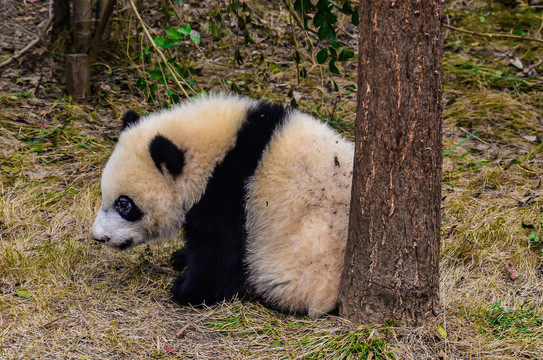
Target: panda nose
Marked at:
102, 239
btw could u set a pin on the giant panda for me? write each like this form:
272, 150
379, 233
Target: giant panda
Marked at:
261, 192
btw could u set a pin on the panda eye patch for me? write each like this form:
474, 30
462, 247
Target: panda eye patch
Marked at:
127, 209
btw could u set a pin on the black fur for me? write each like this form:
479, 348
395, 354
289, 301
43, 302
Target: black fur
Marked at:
179, 259
129, 118
215, 227
163, 151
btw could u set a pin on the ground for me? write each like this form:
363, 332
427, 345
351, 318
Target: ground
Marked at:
63, 296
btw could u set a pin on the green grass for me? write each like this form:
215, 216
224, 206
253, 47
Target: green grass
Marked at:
505, 323
299, 337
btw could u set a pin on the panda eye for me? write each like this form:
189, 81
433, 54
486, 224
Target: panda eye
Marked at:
127, 209
124, 205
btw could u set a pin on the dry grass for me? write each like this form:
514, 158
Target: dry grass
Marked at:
64, 297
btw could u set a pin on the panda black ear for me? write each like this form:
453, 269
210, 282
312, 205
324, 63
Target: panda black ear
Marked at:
163, 151
129, 118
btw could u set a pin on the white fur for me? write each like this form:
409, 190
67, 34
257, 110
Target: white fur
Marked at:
110, 227
297, 216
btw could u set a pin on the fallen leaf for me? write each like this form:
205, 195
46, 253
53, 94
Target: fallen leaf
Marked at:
517, 63
30, 122
441, 330
512, 272
530, 138
525, 201
33, 175
24, 294
169, 349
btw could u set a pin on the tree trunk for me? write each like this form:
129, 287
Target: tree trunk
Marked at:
82, 25
61, 17
392, 257
77, 76
105, 9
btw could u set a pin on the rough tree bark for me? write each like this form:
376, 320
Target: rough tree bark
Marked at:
82, 19
77, 76
105, 9
77, 63
392, 256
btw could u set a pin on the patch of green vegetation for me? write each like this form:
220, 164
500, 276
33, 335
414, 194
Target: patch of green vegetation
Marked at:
520, 21
468, 72
535, 238
300, 337
483, 59
481, 110
502, 322
357, 345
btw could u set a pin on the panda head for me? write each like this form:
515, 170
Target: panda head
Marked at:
140, 187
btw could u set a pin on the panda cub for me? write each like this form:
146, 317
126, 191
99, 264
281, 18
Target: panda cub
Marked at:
261, 192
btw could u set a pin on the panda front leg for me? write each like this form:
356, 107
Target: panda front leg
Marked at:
179, 259
206, 281
213, 256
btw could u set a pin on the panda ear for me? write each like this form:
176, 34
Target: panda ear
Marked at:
163, 151
129, 118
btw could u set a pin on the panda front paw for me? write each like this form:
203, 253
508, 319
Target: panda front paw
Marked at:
180, 292
179, 259
193, 291
187, 292
198, 286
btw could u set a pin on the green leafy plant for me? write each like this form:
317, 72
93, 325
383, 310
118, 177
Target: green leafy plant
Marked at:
244, 17
161, 73
324, 20
534, 239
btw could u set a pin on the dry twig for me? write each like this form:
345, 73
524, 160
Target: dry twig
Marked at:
491, 36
